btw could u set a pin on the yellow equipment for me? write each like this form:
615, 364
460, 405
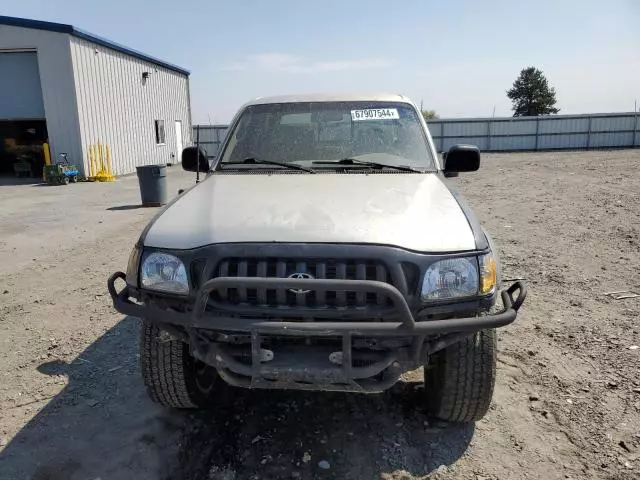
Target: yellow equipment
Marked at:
100, 163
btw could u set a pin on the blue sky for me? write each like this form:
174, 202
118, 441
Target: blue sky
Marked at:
459, 57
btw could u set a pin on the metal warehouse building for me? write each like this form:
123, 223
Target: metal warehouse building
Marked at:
87, 97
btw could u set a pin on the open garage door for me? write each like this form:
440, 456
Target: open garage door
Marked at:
20, 90
22, 119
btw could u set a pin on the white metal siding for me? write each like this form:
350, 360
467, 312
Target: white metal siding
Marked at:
464, 129
56, 80
612, 124
116, 108
612, 139
551, 142
514, 142
513, 127
480, 142
435, 128
548, 125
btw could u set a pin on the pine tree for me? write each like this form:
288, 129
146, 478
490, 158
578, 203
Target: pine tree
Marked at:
531, 94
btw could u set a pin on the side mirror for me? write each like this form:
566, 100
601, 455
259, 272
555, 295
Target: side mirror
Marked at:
190, 158
444, 161
461, 158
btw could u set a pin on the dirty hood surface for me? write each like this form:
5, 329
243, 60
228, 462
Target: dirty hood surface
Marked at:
411, 211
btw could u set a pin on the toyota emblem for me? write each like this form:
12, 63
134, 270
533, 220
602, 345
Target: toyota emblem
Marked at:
300, 276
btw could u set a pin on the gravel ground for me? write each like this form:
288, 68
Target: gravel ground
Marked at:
567, 401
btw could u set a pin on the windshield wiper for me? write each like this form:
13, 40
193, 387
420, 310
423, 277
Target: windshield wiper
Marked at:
252, 160
355, 161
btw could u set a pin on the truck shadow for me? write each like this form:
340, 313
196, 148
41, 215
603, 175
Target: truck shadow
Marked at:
280, 434
102, 425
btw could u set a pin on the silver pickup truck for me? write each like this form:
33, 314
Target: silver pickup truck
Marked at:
324, 250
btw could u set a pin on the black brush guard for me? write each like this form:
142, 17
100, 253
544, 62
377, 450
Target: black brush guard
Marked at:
315, 368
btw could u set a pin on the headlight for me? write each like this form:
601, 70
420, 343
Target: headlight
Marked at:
163, 272
451, 278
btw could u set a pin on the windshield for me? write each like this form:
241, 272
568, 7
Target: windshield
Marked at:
318, 133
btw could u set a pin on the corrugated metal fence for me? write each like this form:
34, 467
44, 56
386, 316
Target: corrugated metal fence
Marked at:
550, 132
211, 136
547, 132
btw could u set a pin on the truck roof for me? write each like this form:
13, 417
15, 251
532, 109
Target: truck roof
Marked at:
331, 97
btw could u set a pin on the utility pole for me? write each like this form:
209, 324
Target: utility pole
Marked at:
489, 129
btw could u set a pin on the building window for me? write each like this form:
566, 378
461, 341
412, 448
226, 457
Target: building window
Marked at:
159, 127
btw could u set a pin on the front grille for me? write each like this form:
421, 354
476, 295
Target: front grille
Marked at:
318, 268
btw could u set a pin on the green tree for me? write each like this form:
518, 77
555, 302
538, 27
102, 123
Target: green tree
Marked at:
532, 95
429, 114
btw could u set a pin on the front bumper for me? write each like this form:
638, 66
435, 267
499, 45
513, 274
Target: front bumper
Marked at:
312, 371
407, 326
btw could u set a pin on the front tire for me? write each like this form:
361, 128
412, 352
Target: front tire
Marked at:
172, 376
459, 380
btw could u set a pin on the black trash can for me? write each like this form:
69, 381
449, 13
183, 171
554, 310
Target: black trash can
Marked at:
153, 184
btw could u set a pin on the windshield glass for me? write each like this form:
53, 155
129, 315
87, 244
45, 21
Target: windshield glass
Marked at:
318, 132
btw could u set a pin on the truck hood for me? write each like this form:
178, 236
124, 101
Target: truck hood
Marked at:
412, 211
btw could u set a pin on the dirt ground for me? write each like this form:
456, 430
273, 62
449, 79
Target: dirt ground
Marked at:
567, 400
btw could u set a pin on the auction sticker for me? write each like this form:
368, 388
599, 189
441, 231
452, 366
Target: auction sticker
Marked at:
375, 114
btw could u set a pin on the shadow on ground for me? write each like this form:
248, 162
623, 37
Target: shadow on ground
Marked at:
278, 435
9, 180
125, 207
271, 434
102, 425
